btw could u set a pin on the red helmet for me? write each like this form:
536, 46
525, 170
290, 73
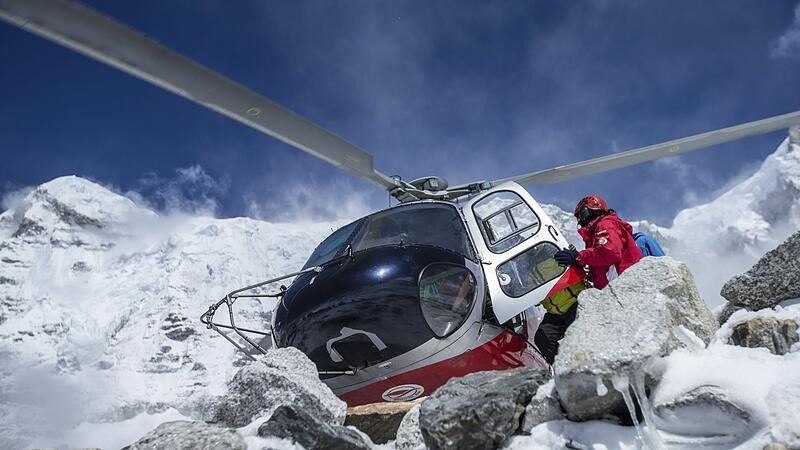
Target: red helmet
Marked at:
593, 203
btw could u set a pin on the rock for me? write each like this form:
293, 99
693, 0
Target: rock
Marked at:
297, 425
644, 314
184, 435
727, 312
768, 332
544, 407
409, 436
379, 421
705, 413
180, 334
283, 376
480, 410
773, 279
775, 446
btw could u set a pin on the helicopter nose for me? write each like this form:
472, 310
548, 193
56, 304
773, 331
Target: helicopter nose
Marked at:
360, 311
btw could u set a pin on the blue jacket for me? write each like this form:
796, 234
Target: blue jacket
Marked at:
648, 245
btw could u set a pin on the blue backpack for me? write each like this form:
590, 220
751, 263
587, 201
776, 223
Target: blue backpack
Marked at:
648, 245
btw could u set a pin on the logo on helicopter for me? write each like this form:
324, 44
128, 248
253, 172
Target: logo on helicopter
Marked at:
403, 393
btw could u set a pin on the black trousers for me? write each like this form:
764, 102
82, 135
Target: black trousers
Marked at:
552, 330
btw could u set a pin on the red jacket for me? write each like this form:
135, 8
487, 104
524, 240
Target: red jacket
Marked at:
610, 248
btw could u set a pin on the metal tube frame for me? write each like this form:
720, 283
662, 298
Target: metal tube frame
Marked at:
208, 317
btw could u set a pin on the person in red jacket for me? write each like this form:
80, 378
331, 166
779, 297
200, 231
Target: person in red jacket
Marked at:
610, 250
610, 246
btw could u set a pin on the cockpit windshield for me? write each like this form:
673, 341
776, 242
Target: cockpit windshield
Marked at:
434, 224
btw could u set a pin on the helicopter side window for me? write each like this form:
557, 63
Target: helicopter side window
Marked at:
332, 246
529, 270
446, 295
505, 220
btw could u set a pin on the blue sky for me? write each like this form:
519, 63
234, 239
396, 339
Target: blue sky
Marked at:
467, 90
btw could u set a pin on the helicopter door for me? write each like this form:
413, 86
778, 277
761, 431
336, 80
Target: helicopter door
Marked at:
516, 241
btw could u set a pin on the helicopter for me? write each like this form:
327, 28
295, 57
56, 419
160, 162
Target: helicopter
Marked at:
389, 307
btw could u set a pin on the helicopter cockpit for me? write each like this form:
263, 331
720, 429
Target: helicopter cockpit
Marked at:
387, 283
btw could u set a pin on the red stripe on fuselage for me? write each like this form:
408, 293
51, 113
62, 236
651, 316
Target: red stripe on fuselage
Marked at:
505, 351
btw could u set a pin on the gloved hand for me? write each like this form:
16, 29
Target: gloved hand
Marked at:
567, 257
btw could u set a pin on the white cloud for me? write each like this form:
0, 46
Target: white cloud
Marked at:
788, 44
12, 198
332, 200
190, 190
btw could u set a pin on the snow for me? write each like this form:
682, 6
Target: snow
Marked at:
93, 284
89, 298
109, 435
765, 385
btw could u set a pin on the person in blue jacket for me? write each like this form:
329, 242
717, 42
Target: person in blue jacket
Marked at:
648, 245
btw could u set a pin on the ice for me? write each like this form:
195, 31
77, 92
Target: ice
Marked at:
651, 433
602, 390
647, 435
688, 338
621, 384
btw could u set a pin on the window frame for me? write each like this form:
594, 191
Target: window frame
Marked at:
491, 246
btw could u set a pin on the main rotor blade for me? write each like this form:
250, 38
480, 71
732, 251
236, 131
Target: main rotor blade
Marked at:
95, 35
653, 152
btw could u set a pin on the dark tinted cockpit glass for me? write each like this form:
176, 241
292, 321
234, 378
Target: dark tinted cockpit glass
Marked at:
333, 246
433, 224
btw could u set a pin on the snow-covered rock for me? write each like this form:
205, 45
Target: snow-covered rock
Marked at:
707, 416
282, 377
726, 311
479, 410
773, 279
184, 435
544, 407
640, 316
296, 424
409, 436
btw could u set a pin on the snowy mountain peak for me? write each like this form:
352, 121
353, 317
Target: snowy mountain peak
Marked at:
748, 214
69, 202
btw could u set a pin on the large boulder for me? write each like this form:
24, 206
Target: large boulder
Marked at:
379, 421
297, 425
480, 410
283, 376
644, 314
185, 435
777, 335
773, 279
